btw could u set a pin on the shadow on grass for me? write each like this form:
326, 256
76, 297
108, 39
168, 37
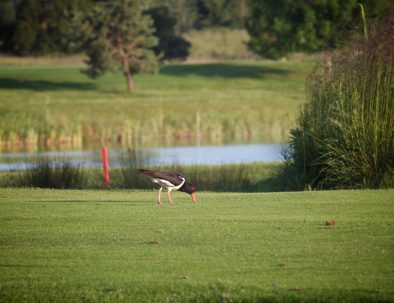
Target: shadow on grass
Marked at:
225, 70
43, 85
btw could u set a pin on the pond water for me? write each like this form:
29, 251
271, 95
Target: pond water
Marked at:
192, 155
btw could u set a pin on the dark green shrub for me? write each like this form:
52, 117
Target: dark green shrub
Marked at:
344, 133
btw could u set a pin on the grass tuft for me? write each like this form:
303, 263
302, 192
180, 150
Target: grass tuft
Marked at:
46, 173
344, 134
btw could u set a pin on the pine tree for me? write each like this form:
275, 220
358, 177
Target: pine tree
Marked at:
119, 36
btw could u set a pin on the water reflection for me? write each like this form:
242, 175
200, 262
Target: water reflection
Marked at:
192, 155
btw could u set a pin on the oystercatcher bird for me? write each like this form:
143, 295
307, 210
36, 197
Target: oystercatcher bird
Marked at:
170, 180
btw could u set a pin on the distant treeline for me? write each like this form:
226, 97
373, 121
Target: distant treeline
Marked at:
37, 27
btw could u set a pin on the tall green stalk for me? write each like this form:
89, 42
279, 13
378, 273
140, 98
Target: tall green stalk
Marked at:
364, 21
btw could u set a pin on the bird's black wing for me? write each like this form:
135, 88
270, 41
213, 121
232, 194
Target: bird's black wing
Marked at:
171, 176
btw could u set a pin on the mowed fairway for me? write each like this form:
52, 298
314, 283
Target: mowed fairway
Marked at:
94, 246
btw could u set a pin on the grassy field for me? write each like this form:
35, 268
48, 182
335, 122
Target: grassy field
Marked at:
252, 101
119, 246
229, 44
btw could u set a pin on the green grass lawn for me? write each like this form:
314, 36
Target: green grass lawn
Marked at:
243, 101
99, 246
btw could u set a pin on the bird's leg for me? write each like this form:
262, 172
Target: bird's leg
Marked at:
161, 188
169, 197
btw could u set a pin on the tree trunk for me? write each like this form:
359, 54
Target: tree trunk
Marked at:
128, 75
130, 84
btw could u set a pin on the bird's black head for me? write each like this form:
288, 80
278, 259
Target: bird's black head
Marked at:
190, 189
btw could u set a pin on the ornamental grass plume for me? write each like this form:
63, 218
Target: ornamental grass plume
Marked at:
344, 133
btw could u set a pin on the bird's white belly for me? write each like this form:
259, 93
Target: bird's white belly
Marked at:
168, 185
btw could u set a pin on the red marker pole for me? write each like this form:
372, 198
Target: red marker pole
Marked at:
105, 166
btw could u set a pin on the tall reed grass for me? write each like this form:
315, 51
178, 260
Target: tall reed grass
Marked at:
31, 131
216, 103
344, 133
61, 173
208, 178
218, 178
235, 177
50, 173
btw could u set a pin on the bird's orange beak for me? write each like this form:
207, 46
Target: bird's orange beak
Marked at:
194, 197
